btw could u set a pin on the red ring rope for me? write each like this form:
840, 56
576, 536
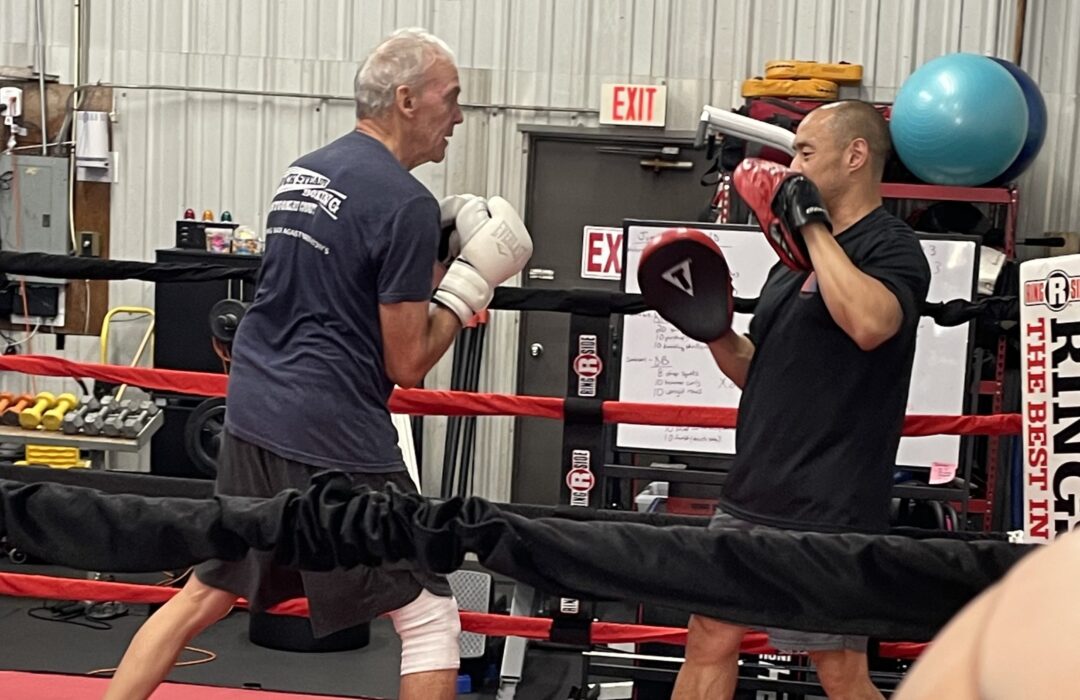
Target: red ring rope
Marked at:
463, 403
55, 588
447, 403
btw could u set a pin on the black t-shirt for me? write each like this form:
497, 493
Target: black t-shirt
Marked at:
349, 229
820, 419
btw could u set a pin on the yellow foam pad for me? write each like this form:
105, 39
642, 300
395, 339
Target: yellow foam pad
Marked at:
842, 73
811, 88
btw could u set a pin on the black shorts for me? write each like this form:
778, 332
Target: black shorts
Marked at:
338, 599
785, 640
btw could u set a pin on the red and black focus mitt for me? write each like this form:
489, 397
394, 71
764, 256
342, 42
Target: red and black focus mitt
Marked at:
683, 277
783, 201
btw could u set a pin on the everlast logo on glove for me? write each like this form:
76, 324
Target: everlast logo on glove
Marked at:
496, 245
509, 243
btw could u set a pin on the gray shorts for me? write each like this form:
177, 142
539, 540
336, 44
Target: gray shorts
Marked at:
338, 599
791, 641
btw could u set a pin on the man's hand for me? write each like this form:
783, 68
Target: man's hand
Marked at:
496, 247
783, 202
683, 276
450, 208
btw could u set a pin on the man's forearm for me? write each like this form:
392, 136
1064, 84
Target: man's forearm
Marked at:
443, 327
732, 353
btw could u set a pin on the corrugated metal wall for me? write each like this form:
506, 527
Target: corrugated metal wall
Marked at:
181, 150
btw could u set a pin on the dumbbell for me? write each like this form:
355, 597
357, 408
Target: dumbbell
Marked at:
95, 421
6, 399
115, 422
11, 415
55, 415
74, 420
137, 421
30, 417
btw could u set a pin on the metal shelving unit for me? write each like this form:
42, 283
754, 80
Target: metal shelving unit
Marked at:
92, 443
1008, 198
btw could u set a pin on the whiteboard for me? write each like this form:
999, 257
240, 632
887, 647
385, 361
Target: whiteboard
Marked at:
658, 364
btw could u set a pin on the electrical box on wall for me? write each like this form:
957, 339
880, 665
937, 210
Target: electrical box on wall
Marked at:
42, 300
33, 194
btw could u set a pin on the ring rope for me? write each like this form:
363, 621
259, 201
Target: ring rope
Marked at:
463, 403
538, 628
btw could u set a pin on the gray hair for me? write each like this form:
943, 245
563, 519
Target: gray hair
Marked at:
401, 59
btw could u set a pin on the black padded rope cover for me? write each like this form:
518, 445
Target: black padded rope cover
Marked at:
583, 302
573, 630
72, 267
889, 587
145, 484
586, 302
578, 411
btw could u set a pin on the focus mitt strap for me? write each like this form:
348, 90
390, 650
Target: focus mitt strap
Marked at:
684, 277
783, 201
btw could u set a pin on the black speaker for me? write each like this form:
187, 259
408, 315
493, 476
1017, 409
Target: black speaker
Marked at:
183, 311
168, 454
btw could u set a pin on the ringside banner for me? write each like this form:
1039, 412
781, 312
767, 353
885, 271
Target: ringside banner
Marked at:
1050, 345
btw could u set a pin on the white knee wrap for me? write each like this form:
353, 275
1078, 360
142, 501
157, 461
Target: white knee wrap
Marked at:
429, 628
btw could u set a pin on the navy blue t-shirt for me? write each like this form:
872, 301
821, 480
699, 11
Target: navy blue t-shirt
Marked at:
349, 229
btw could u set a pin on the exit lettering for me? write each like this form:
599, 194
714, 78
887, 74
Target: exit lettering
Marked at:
633, 105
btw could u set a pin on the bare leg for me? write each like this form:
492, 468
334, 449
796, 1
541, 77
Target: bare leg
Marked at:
1028, 644
429, 685
711, 669
845, 675
158, 643
947, 669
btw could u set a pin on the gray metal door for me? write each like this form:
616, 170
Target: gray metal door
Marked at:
577, 178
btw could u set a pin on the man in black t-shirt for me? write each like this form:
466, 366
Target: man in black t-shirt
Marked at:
357, 249
825, 370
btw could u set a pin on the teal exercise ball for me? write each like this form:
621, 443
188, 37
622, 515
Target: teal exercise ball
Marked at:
960, 119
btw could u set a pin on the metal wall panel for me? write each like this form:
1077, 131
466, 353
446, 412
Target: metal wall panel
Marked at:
1049, 189
181, 150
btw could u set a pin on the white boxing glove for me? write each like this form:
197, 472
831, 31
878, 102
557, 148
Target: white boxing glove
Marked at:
450, 241
497, 246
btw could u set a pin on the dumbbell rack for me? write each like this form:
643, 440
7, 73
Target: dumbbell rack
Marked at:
90, 443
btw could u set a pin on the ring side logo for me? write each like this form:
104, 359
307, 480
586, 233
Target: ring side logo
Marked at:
1056, 292
587, 365
580, 480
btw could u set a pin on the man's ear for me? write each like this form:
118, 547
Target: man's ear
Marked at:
858, 154
405, 100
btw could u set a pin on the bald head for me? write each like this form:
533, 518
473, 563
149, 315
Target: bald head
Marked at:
848, 120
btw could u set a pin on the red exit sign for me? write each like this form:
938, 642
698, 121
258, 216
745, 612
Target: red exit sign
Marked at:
633, 105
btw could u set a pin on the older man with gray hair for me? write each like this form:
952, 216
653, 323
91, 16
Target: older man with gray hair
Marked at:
357, 251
